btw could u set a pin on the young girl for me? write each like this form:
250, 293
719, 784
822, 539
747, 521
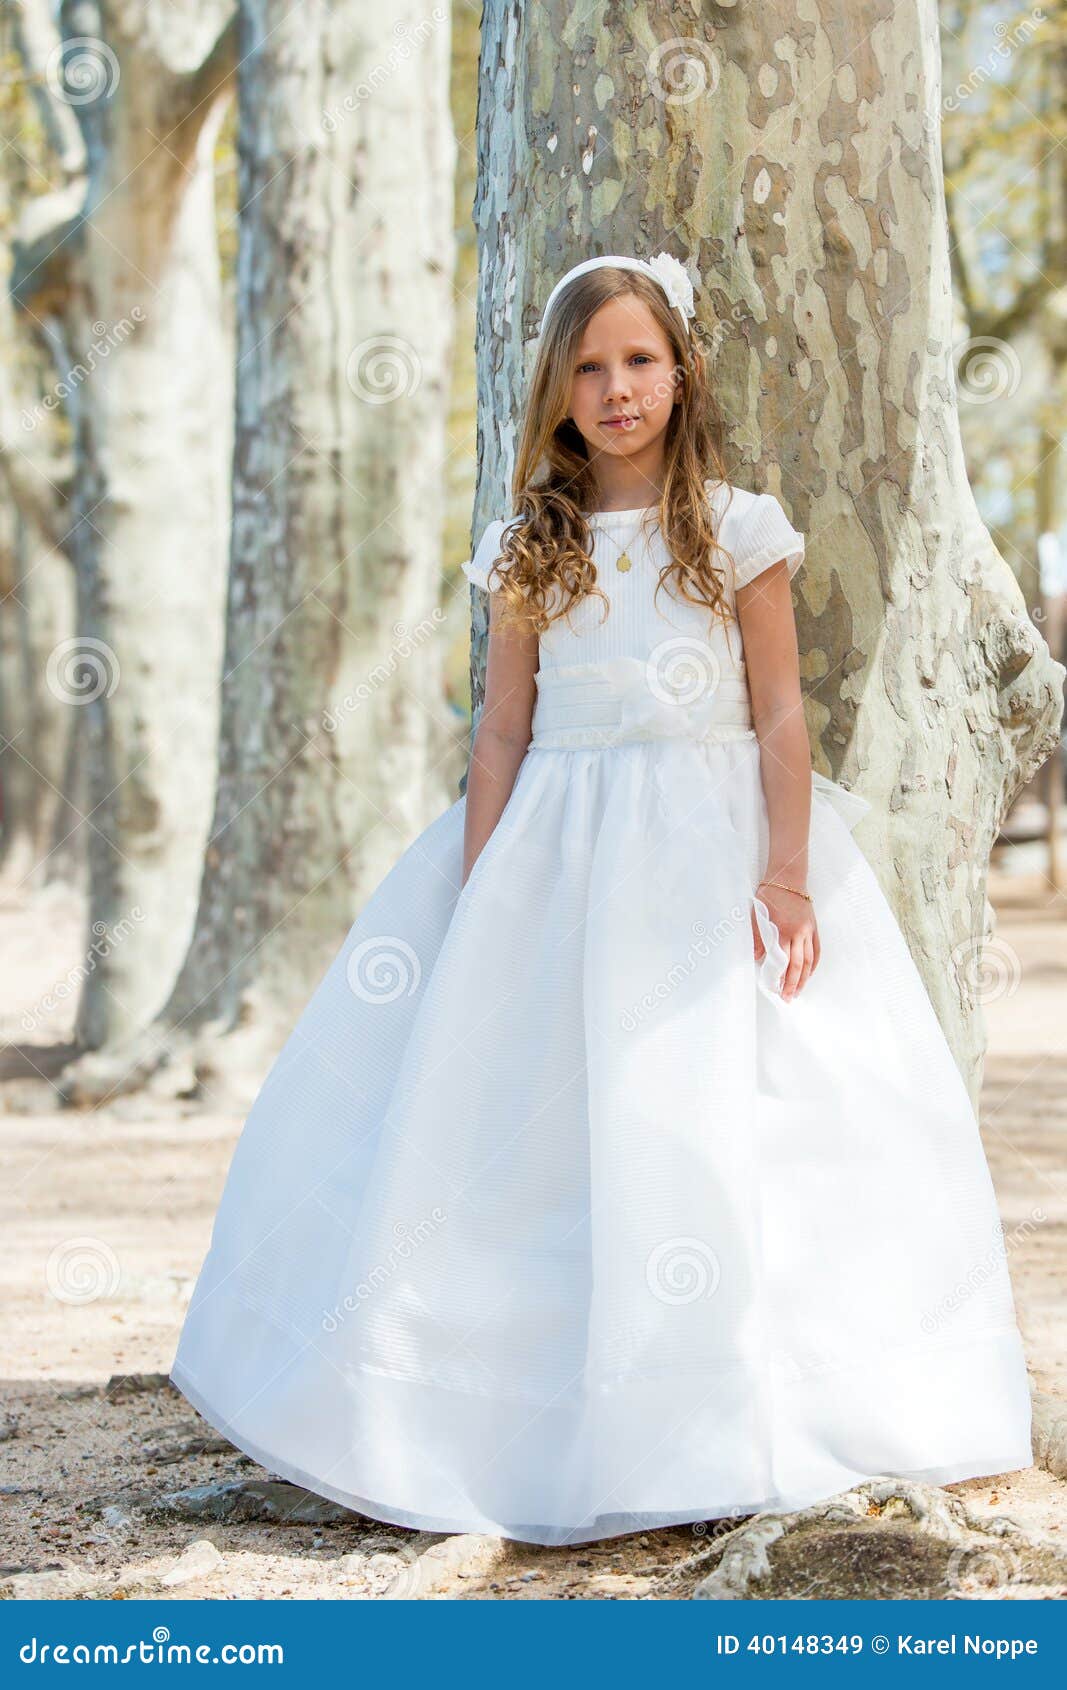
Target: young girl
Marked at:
618, 1172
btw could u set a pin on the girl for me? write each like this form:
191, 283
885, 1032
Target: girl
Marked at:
618, 1173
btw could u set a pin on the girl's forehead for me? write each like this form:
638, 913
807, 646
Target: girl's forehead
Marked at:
625, 319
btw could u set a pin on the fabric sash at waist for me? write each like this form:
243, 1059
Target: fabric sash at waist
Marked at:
628, 698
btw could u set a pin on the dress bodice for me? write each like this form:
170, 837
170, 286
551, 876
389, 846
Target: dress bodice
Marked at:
651, 663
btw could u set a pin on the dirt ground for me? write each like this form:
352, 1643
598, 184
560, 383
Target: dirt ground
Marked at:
113, 1211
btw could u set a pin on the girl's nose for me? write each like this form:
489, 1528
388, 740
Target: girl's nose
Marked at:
618, 387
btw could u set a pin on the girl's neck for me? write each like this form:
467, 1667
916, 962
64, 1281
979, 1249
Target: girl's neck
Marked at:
635, 490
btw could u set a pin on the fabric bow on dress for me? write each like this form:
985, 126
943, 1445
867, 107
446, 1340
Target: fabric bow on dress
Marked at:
646, 714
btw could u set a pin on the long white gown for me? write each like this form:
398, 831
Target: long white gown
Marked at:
553, 1219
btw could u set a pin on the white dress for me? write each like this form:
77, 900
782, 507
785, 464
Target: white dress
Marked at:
553, 1219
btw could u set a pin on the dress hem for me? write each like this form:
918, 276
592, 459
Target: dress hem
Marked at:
388, 1514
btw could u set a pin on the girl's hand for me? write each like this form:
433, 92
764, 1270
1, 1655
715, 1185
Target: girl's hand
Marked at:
794, 918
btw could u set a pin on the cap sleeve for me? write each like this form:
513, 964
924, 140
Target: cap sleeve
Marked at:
766, 535
479, 568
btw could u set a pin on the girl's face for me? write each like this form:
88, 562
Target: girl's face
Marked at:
625, 382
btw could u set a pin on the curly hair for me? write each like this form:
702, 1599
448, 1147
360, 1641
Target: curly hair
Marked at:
545, 565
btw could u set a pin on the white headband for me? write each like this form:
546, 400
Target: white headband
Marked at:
664, 269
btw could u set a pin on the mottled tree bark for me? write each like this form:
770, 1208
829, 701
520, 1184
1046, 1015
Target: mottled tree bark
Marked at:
794, 160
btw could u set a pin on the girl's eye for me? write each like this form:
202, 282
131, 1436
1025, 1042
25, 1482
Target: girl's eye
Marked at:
641, 357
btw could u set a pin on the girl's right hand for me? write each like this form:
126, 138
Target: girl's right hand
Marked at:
794, 917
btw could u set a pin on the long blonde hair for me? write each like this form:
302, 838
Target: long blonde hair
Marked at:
549, 546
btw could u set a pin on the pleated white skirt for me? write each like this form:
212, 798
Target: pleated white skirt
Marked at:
553, 1220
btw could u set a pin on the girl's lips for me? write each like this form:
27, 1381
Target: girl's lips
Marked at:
620, 422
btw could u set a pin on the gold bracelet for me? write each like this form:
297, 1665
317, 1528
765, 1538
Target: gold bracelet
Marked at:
785, 888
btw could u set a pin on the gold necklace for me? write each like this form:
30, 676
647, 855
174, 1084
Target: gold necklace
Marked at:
624, 561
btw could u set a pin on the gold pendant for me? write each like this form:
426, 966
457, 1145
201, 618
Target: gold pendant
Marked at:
623, 562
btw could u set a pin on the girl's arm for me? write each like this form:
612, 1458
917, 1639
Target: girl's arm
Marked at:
768, 631
504, 730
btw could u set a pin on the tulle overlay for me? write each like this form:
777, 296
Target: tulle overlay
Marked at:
554, 1220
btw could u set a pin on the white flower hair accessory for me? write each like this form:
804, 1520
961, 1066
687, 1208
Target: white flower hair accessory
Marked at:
664, 268
674, 280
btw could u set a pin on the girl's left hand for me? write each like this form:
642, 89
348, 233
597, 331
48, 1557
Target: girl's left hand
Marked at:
798, 931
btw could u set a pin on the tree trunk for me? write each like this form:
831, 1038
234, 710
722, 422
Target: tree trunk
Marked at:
334, 738
797, 165
125, 280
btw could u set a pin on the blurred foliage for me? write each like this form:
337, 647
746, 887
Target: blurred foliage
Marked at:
29, 165
226, 196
